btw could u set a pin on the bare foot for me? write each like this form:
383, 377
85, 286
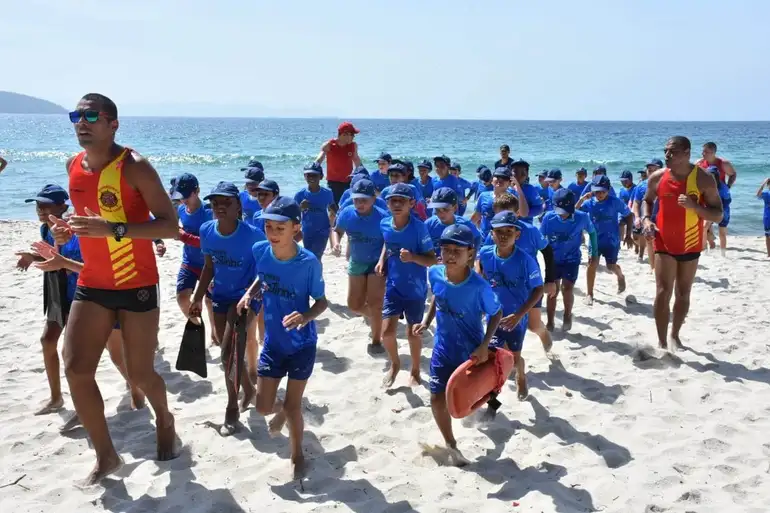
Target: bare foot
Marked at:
276, 424
414, 378
589, 299
375, 348
298, 467
165, 434
390, 375
550, 326
104, 468
566, 324
522, 390
249, 394
137, 399
547, 345
621, 284
456, 458
675, 342
662, 345
70, 424
51, 406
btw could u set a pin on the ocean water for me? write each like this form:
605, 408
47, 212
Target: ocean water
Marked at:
37, 147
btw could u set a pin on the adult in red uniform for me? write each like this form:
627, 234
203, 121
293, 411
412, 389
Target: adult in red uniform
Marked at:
727, 173
341, 156
113, 191
687, 195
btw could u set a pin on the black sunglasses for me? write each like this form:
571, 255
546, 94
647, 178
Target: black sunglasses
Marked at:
92, 116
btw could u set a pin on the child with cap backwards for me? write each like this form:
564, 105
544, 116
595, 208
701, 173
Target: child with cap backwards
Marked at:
604, 211
515, 277
456, 170
318, 211
254, 173
563, 228
288, 276
460, 298
408, 250
226, 242
61, 266
483, 182
724, 194
764, 196
444, 207
425, 180
361, 223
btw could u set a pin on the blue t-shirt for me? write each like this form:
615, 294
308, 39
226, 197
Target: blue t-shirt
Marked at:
436, 228
316, 218
234, 269
640, 190
378, 202
563, 235
724, 194
627, 195
287, 287
478, 187
249, 206
363, 232
485, 207
604, 216
513, 279
426, 189
766, 198
459, 310
191, 223
545, 194
534, 201
258, 222
587, 189
379, 180
577, 189
69, 250
452, 182
530, 241
406, 280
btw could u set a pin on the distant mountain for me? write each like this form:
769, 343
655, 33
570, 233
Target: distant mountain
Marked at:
15, 103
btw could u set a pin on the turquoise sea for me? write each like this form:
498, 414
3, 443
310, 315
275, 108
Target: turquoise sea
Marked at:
37, 146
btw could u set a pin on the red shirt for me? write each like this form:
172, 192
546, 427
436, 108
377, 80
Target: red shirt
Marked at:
719, 163
339, 161
680, 230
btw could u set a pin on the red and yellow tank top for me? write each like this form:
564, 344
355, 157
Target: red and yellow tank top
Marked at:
680, 230
107, 263
719, 163
339, 161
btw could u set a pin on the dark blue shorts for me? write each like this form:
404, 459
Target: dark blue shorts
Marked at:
767, 226
514, 339
393, 306
274, 363
187, 278
566, 271
222, 306
316, 242
610, 253
725, 218
441, 369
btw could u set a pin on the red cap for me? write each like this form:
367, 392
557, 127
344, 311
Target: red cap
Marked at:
347, 127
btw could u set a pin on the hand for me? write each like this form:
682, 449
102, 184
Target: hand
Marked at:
336, 250
53, 259
480, 355
25, 259
514, 182
629, 241
587, 196
549, 289
406, 256
243, 304
419, 329
180, 234
379, 269
90, 225
305, 205
649, 229
637, 223
160, 249
196, 308
687, 201
294, 320
509, 322
60, 230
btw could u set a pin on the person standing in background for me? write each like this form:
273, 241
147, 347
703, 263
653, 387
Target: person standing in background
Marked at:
580, 182
727, 173
505, 157
764, 195
341, 156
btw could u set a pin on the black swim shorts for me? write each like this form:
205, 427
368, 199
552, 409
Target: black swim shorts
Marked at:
143, 299
685, 257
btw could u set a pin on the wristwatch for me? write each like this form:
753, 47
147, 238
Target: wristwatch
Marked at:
119, 231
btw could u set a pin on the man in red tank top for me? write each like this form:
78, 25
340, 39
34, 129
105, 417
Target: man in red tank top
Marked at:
113, 191
687, 195
341, 156
727, 172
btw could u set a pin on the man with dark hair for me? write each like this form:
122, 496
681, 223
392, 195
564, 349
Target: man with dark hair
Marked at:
687, 195
505, 157
113, 191
341, 156
727, 173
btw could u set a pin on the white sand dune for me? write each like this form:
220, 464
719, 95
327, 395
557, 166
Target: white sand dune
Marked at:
605, 428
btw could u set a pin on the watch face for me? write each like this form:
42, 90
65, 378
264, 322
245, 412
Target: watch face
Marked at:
120, 230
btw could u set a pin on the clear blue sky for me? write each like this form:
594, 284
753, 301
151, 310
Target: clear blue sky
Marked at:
568, 59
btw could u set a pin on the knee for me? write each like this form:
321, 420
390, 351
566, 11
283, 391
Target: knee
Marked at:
682, 294
264, 405
49, 342
76, 368
438, 400
663, 292
357, 304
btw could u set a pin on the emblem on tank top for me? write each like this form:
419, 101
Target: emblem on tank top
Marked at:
109, 198
143, 295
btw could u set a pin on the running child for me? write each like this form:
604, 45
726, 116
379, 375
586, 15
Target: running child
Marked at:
724, 194
563, 228
267, 191
408, 250
426, 181
580, 182
456, 169
444, 207
380, 177
460, 298
626, 195
444, 178
288, 276
764, 195
515, 278
599, 171
226, 243
483, 182
361, 223
604, 211
318, 211
397, 173
254, 174
484, 209
348, 201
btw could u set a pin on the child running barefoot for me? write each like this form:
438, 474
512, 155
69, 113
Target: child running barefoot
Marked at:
443, 203
318, 210
515, 277
604, 211
288, 276
460, 298
226, 243
361, 222
407, 252
563, 228
764, 195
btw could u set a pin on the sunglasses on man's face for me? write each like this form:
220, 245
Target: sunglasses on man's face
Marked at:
92, 116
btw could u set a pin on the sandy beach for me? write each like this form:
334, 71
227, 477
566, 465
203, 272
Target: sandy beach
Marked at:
606, 427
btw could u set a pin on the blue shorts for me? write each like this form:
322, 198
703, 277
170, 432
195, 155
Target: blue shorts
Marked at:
514, 339
222, 306
187, 278
566, 271
274, 363
610, 253
767, 226
394, 306
725, 218
316, 242
441, 369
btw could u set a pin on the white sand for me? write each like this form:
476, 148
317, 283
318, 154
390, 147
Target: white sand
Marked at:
602, 433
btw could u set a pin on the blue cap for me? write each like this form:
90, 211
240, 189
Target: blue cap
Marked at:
401, 190
506, 218
442, 158
456, 165
457, 234
222, 189
600, 183
254, 174
543, 173
362, 189
426, 164
397, 168
655, 162
185, 184
384, 157
443, 197
582, 170
626, 175
564, 201
270, 186
360, 170
409, 167
356, 177
484, 173
520, 163
502, 172
600, 169
282, 209
314, 168
51, 194
254, 163
553, 175
642, 171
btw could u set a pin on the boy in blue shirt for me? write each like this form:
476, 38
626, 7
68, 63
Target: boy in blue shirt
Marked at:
226, 242
544, 191
764, 195
397, 173
483, 183
460, 298
484, 210
580, 182
604, 211
426, 181
361, 222
318, 210
562, 228
456, 169
380, 177
515, 277
347, 201
254, 174
444, 178
444, 207
626, 195
267, 191
408, 250
599, 171
288, 276
724, 194
530, 204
